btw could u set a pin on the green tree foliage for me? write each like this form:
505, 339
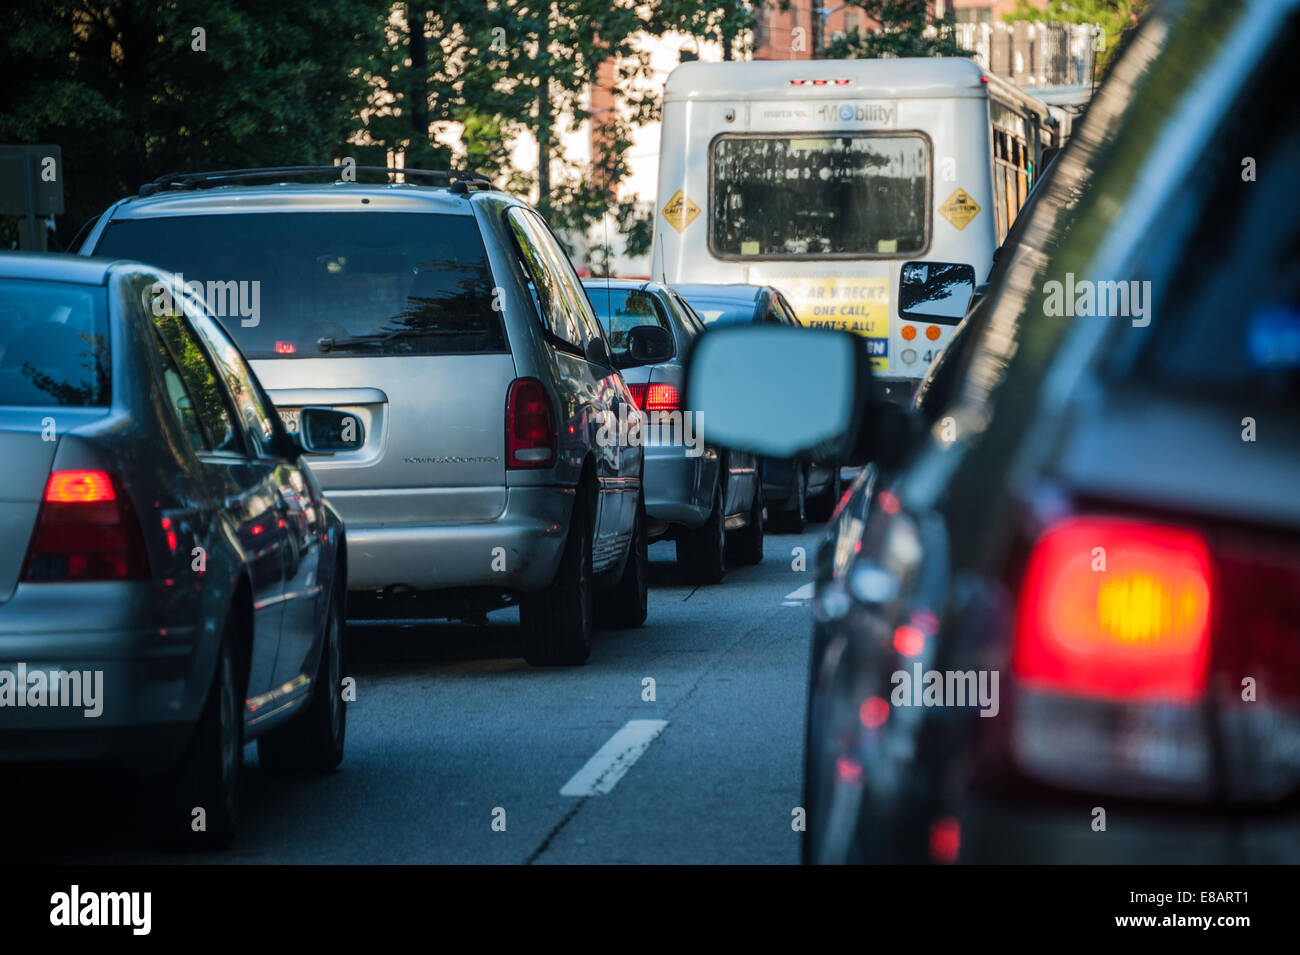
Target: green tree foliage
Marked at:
905, 30
507, 67
1116, 17
123, 87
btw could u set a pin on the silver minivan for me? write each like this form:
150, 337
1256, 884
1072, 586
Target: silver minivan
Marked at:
485, 466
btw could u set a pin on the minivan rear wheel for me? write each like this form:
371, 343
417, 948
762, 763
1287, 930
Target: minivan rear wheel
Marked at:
556, 623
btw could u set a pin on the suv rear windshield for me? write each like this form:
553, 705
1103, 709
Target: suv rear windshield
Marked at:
809, 197
326, 284
53, 344
621, 309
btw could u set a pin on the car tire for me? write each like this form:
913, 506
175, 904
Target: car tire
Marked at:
208, 774
747, 543
624, 606
793, 520
312, 742
822, 505
702, 553
556, 623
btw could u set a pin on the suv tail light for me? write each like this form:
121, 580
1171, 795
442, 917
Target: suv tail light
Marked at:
86, 531
1132, 638
531, 439
659, 396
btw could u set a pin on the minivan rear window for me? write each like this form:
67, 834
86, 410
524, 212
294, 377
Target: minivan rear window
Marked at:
53, 344
329, 284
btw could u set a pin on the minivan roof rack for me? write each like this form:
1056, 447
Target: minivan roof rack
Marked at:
458, 180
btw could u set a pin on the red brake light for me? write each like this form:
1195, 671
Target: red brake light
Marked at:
656, 397
1115, 609
85, 531
530, 426
80, 487
285, 348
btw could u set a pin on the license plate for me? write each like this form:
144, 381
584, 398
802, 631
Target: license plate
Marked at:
290, 418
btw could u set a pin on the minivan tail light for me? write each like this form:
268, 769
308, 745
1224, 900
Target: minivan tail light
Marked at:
531, 439
86, 531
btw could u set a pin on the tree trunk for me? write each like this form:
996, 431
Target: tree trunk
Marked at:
419, 77
544, 137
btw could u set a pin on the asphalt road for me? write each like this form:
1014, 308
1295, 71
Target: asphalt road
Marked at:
452, 732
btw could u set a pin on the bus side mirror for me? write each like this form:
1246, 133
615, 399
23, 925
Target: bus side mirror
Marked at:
935, 291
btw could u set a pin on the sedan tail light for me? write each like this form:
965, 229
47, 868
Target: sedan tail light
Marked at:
531, 439
1133, 641
86, 531
659, 396
1115, 610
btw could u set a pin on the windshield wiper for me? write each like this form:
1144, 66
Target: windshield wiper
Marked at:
379, 339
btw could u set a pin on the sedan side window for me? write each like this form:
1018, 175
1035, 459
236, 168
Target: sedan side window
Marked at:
255, 413
181, 348
178, 396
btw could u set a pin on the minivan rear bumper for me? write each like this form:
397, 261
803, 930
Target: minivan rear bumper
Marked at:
519, 550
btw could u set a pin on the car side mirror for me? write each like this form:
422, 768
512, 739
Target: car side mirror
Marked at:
649, 345
781, 391
329, 431
938, 292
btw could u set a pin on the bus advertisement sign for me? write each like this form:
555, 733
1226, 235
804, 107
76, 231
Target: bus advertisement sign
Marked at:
858, 305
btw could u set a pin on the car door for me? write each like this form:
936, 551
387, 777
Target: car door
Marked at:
241, 481
298, 519
252, 494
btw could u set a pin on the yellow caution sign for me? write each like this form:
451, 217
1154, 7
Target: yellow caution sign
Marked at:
858, 305
959, 209
680, 211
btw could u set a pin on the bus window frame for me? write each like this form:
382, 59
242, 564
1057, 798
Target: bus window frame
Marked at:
826, 134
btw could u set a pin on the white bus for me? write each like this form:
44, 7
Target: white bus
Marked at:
835, 180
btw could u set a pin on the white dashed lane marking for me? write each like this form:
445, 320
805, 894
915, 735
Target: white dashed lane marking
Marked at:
612, 761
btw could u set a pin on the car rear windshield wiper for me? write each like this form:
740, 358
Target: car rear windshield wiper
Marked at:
379, 339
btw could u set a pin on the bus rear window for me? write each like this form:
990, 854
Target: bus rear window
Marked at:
795, 197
